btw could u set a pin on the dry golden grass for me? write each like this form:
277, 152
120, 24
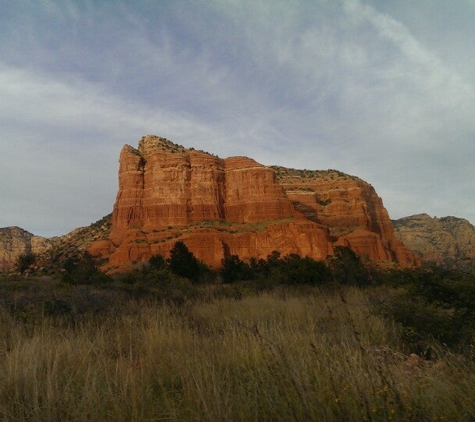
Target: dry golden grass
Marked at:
272, 357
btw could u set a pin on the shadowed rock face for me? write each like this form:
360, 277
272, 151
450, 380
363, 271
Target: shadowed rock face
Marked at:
221, 207
447, 241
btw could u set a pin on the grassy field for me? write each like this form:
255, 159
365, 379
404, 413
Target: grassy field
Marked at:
279, 356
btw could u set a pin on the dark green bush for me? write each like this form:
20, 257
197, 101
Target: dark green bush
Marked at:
432, 305
25, 260
234, 269
83, 270
347, 268
157, 261
298, 270
290, 270
183, 263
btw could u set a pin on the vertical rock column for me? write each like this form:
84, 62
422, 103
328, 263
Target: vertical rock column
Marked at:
128, 205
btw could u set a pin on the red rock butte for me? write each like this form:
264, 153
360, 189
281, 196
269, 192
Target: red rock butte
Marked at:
236, 206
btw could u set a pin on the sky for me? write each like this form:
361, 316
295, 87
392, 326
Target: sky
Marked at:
383, 90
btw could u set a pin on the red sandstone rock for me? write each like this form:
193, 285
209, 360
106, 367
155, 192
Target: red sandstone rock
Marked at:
236, 206
352, 211
252, 193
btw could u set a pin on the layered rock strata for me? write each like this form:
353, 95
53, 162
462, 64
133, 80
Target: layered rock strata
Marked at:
447, 241
235, 206
351, 210
15, 241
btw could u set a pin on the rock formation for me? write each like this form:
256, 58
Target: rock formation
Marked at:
235, 206
447, 241
350, 208
50, 253
15, 241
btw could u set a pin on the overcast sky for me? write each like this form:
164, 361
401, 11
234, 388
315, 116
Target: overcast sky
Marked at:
384, 90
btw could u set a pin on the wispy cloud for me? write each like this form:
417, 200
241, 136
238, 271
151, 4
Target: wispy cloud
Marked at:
351, 85
60, 142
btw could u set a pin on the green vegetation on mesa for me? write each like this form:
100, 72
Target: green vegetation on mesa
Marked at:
285, 174
282, 338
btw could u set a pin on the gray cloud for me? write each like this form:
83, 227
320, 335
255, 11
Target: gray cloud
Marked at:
366, 88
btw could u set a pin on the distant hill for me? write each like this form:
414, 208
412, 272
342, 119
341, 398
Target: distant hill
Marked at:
50, 252
446, 241
15, 241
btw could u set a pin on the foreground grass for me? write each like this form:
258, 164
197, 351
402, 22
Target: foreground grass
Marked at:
276, 356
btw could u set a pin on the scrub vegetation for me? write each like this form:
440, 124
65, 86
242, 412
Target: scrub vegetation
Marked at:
281, 339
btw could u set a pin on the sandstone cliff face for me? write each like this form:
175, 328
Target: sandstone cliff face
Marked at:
350, 208
252, 194
447, 241
162, 184
15, 241
221, 207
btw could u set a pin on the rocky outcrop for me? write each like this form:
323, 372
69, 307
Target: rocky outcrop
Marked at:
351, 210
236, 206
15, 241
165, 185
50, 253
447, 241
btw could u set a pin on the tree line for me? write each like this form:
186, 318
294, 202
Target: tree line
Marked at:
429, 303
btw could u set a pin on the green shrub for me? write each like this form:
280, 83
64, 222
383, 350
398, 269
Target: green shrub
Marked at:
83, 270
25, 260
433, 305
183, 263
292, 269
234, 269
347, 268
157, 261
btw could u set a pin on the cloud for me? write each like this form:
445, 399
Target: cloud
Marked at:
352, 85
60, 143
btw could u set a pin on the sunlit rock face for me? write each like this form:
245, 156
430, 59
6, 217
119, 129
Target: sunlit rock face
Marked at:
15, 241
351, 210
447, 241
236, 206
